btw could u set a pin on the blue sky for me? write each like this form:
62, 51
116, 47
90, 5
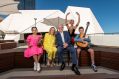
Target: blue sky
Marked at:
106, 11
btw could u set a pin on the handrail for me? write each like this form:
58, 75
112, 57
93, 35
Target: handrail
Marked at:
104, 33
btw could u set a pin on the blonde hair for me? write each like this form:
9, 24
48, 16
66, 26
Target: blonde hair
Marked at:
51, 29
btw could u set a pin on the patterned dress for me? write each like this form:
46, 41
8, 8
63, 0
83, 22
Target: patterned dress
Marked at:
33, 49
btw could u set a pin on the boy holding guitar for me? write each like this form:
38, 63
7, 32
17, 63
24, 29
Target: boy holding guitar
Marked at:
83, 43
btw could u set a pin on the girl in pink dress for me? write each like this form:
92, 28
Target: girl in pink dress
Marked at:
33, 49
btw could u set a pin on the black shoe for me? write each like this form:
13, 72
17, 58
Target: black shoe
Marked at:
62, 66
94, 68
75, 69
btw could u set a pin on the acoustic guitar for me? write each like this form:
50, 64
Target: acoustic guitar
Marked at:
82, 44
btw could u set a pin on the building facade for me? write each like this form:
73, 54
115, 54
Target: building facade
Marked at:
26, 5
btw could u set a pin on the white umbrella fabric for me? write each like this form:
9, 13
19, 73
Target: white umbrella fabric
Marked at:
54, 21
8, 7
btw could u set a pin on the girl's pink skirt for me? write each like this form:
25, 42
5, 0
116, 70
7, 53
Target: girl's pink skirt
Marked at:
34, 50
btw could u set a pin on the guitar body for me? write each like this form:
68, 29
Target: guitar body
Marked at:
81, 44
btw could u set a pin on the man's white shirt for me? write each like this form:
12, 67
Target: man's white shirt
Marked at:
62, 36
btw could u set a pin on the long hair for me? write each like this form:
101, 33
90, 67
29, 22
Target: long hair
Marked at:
51, 29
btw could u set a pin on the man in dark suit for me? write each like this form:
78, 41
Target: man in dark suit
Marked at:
63, 42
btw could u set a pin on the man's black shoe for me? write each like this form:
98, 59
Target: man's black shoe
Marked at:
75, 69
62, 66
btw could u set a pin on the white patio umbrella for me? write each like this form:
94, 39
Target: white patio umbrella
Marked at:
54, 21
40, 26
8, 7
25, 20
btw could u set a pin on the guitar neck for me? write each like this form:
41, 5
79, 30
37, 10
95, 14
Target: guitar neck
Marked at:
86, 30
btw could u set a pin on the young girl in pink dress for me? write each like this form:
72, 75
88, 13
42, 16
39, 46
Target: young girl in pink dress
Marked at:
33, 49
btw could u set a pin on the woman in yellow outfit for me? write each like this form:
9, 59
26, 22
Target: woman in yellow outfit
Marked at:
50, 46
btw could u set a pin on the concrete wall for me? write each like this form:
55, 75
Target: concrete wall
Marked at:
105, 39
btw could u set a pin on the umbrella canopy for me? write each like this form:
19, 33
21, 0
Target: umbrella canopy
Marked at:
54, 21
8, 7
20, 22
40, 26
1, 32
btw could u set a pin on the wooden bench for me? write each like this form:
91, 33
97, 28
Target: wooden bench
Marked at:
14, 58
8, 45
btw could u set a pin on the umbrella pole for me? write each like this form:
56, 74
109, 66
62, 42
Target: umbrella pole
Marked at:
58, 20
35, 21
58, 24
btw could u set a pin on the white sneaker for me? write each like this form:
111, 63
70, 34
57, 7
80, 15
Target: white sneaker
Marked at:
38, 67
94, 68
35, 66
